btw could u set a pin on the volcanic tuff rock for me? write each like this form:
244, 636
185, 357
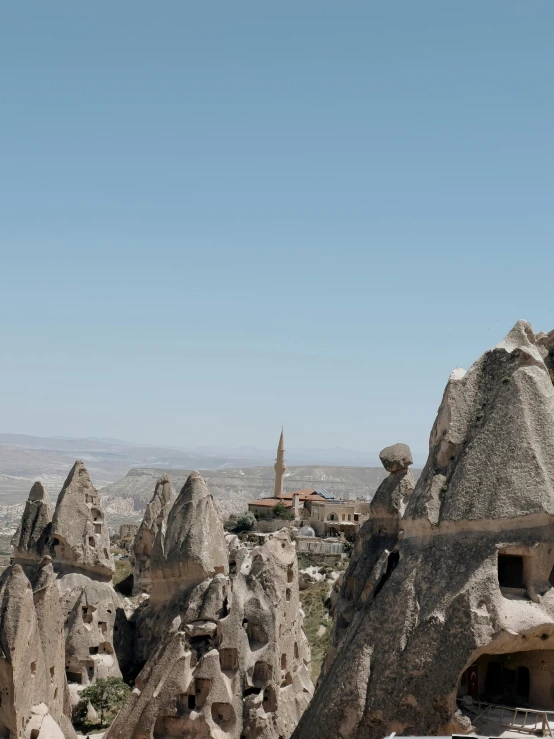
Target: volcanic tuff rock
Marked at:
153, 526
225, 653
88, 606
377, 538
91, 608
32, 676
80, 545
50, 620
80, 537
467, 585
193, 547
32, 534
396, 457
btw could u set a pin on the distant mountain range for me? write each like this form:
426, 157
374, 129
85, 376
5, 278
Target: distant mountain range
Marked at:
24, 459
126, 473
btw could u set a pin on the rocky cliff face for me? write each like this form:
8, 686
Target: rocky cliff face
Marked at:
467, 584
223, 642
57, 615
376, 540
80, 546
34, 699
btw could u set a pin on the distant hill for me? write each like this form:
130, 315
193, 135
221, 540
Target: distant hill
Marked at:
24, 459
233, 489
235, 476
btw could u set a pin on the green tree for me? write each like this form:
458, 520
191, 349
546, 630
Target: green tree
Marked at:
281, 511
246, 522
107, 695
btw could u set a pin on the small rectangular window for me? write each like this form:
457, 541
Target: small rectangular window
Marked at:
510, 571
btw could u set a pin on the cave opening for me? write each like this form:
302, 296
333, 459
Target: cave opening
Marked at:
517, 679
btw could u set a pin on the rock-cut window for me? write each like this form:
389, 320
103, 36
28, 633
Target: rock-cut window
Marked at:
510, 571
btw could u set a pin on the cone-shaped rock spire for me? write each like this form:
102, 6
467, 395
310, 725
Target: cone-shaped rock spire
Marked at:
194, 546
153, 526
31, 536
491, 448
469, 580
80, 537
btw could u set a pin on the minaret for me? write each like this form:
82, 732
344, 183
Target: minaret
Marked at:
280, 467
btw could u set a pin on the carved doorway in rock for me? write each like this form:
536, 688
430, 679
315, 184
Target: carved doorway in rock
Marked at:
522, 679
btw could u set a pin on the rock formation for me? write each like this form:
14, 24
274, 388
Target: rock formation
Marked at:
58, 614
153, 526
376, 539
226, 654
33, 690
29, 542
80, 547
193, 548
90, 609
80, 539
86, 607
396, 458
50, 619
463, 605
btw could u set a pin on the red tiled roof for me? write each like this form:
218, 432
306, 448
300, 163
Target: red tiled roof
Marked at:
271, 502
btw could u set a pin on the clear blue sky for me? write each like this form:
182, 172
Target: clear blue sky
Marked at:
219, 217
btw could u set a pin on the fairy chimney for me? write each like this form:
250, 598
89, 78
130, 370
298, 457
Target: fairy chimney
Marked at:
377, 538
80, 540
80, 546
462, 608
32, 677
193, 548
30, 539
153, 526
229, 657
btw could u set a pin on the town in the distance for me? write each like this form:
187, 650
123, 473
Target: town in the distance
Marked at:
424, 607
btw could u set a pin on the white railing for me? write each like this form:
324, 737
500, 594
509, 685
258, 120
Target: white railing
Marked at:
519, 721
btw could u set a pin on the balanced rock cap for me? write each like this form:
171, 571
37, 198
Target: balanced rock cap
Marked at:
37, 492
396, 457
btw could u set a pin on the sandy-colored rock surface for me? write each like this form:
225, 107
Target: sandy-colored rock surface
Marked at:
29, 542
32, 675
467, 585
193, 547
223, 642
153, 527
80, 539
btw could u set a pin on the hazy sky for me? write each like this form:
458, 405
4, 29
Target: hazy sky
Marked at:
217, 217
